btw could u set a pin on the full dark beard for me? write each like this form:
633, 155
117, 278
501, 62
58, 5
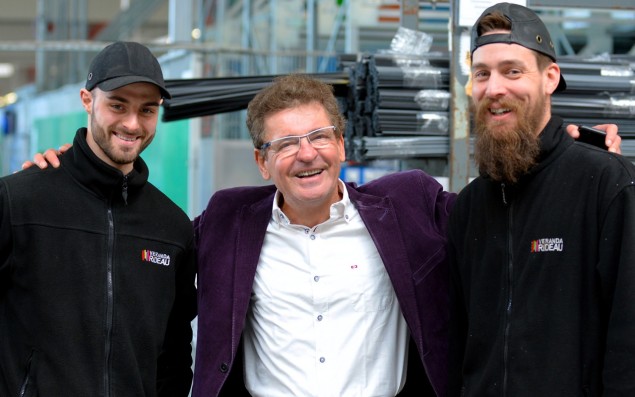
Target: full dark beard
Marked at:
503, 152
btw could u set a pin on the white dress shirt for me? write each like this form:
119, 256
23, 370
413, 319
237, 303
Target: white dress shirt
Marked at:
324, 319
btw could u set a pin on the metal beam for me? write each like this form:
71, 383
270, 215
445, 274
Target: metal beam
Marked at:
606, 5
460, 160
126, 21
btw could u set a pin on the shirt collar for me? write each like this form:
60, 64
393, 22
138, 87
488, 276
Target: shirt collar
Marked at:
342, 209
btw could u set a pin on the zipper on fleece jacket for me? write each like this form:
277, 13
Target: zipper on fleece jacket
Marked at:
26, 383
124, 189
510, 273
109, 300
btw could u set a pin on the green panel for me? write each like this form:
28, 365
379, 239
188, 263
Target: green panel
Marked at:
167, 158
54, 131
167, 155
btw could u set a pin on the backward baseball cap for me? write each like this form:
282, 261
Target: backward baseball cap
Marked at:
527, 30
122, 63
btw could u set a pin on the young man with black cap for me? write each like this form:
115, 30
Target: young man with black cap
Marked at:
97, 279
542, 243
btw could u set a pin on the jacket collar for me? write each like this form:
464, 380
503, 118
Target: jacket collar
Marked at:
99, 177
553, 141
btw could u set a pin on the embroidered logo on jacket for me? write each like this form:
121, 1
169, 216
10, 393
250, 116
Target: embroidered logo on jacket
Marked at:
155, 257
547, 245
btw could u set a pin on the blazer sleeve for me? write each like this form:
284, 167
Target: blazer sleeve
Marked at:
458, 314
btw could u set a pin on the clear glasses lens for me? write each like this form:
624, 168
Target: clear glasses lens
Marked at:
289, 145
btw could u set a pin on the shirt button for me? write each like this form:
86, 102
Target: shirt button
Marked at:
313, 237
306, 231
322, 359
319, 317
316, 278
224, 367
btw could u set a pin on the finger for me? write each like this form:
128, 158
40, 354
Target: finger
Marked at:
27, 164
51, 156
572, 130
613, 141
40, 161
615, 146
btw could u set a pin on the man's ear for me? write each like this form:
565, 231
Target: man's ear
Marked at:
553, 78
87, 100
342, 149
259, 157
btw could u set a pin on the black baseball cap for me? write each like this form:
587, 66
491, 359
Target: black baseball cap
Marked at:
122, 63
527, 30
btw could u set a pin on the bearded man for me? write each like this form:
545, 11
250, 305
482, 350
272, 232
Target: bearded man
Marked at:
542, 243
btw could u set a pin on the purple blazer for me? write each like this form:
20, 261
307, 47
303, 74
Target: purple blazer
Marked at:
406, 214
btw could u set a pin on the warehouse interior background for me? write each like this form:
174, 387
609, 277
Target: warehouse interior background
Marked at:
46, 46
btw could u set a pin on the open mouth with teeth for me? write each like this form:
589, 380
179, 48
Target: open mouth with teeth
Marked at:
126, 138
499, 111
305, 174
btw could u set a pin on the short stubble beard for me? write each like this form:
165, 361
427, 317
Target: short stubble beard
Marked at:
103, 139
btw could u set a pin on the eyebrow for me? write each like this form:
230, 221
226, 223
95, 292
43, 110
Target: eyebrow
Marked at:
125, 100
511, 62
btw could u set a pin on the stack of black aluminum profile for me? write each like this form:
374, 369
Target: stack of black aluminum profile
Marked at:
209, 96
398, 106
401, 107
390, 122
598, 92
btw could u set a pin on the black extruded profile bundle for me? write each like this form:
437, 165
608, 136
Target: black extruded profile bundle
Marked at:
591, 84
357, 93
373, 148
406, 122
601, 106
393, 113
598, 92
395, 99
401, 96
209, 96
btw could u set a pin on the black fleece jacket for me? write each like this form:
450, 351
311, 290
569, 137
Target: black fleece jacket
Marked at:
543, 278
96, 282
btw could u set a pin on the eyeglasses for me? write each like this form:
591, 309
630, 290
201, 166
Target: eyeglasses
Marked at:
290, 145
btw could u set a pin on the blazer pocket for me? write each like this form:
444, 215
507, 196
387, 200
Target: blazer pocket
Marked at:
439, 256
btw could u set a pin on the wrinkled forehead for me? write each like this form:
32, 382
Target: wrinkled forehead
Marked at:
297, 120
502, 54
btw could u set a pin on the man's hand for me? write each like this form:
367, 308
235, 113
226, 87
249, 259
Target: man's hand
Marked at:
51, 156
613, 141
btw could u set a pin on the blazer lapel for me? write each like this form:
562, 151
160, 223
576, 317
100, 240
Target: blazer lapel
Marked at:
252, 227
380, 219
